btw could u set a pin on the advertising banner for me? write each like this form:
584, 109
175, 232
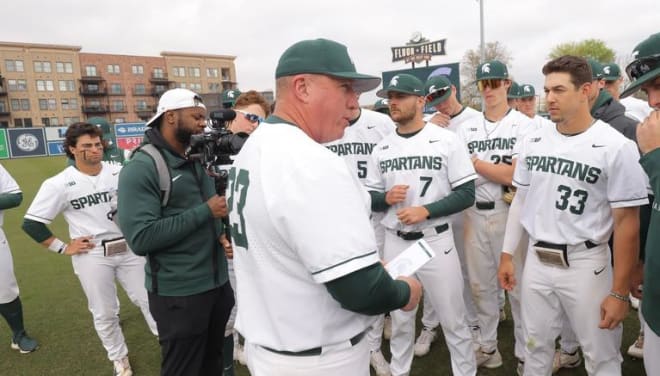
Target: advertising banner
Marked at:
27, 142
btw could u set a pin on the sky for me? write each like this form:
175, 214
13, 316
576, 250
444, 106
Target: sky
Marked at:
257, 32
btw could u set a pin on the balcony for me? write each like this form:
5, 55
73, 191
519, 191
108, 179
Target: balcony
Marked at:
3, 91
145, 110
159, 78
140, 93
158, 91
118, 109
4, 112
91, 79
93, 92
116, 92
95, 109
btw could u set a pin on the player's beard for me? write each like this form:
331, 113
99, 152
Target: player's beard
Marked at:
182, 134
404, 115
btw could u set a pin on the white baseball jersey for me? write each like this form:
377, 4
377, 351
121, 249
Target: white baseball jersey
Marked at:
300, 219
540, 121
494, 142
465, 115
636, 108
7, 185
432, 163
83, 200
581, 178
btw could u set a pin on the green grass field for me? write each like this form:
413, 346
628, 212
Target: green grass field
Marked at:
56, 311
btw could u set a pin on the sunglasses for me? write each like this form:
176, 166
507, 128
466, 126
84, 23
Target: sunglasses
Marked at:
436, 94
641, 66
493, 84
252, 118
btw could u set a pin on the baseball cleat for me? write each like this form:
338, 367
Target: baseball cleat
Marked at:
424, 341
636, 350
379, 364
387, 327
122, 367
489, 360
24, 343
564, 359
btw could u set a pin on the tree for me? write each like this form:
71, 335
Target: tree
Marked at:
593, 48
494, 51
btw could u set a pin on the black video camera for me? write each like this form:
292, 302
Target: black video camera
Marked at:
214, 148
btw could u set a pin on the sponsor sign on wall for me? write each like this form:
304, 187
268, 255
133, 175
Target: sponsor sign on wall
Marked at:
4, 149
27, 142
55, 133
129, 135
55, 148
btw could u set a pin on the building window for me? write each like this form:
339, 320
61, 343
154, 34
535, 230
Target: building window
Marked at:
214, 87
193, 71
179, 72
17, 85
20, 105
67, 85
90, 70
141, 105
140, 89
63, 67
120, 120
113, 68
115, 89
117, 105
27, 122
159, 73
181, 85
225, 74
70, 120
70, 104
212, 72
45, 85
137, 69
196, 87
18, 123
45, 121
42, 67
14, 65
47, 104
3, 106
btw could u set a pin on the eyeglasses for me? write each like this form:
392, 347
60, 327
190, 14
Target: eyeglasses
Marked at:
436, 94
252, 118
641, 66
493, 84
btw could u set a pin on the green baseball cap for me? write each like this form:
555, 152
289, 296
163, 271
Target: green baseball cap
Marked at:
596, 69
382, 104
229, 96
527, 91
492, 70
437, 89
104, 125
611, 72
403, 83
514, 91
323, 56
646, 66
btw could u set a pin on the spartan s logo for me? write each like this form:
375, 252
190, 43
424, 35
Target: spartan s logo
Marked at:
394, 81
485, 68
230, 94
527, 89
606, 69
385, 102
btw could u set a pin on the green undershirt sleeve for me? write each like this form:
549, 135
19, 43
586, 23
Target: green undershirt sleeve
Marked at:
369, 291
461, 198
378, 203
10, 200
37, 230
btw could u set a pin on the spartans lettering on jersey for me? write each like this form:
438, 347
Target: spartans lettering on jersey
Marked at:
497, 143
352, 148
564, 167
411, 163
91, 200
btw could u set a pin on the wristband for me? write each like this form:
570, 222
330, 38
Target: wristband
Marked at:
623, 298
57, 246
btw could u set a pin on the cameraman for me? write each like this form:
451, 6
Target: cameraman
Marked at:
186, 271
251, 108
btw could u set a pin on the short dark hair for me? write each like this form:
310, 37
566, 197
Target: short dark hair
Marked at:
252, 97
577, 67
76, 130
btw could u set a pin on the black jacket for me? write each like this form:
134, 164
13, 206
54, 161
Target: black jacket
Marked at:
613, 113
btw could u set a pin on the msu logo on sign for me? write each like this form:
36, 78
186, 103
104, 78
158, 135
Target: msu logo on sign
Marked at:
27, 142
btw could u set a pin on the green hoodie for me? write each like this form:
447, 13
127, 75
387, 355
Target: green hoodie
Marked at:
651, 303
180, 241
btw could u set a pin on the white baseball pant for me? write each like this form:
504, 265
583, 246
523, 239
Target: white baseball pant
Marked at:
578, 290
97, 275
375, 334
229, 328
8, 285
443, 283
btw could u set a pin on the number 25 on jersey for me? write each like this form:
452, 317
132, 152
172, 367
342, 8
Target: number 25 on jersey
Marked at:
238, 182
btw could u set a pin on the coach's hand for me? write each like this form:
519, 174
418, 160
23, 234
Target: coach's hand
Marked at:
648, 133
415, 292
218, 206
506, 272
226, 244
412, 215
440, 119
396, 194
82, 244
612, 312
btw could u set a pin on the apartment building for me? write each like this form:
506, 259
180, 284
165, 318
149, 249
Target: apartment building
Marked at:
54, 85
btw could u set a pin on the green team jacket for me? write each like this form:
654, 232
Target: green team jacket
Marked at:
651, 302
180, 241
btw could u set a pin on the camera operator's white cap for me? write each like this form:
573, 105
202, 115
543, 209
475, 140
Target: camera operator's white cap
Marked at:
176, 99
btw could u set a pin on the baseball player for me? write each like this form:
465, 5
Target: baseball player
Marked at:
307, 266
527, 105
644, 74
382, 106
576, 183
11, 307
98, 251
490, 140
513, 95
635, 108
450, 114
365, 130
420, 175
229, 96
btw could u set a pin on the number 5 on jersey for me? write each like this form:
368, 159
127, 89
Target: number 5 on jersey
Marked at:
238, 183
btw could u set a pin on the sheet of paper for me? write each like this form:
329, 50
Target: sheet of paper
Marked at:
410, 260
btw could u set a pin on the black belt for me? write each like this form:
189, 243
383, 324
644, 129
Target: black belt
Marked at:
589, 244
317, 350
414, 235
485, 205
